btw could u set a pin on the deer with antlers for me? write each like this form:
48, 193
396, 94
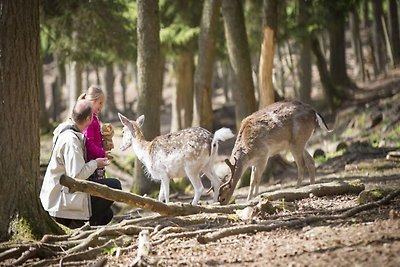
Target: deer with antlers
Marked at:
285, 125
188, 152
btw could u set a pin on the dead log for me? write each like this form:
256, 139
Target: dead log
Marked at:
170, 209
319, 190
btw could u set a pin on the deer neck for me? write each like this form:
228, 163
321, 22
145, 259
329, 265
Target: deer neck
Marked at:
141, 148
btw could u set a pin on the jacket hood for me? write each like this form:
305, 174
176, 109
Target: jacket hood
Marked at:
68, 123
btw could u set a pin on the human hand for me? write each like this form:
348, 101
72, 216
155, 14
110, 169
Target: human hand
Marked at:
108, 155
102, 162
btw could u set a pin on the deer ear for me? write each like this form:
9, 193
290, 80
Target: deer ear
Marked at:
140, 120
124, 120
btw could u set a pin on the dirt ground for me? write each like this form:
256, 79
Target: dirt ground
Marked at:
371, 238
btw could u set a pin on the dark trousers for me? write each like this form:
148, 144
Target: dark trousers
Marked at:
101, 208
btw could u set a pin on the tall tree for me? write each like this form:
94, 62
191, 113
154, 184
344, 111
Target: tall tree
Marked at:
239, 56
21, 213
354, 21
270, 26
331, 95
337, 60
378, 38
110, 109
149, 80
182, 105
203, 115
304, 67
394, 33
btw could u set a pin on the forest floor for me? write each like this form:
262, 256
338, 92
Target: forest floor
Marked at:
366, 131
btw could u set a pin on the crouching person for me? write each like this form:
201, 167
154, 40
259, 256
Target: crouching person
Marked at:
72, 209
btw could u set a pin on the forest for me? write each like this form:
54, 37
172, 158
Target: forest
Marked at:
213, 64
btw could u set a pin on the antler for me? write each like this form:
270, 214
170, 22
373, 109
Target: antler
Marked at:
232, 168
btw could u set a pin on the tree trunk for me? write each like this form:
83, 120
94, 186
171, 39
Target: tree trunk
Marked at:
149, 80
57, 105
337, 60
22, 216
270, 26
356, 43
44, 123
74, 83
326, 80
182, 102
378, 39
305, 64
394, 32
239, 56
122, 69
110, 110
203, 114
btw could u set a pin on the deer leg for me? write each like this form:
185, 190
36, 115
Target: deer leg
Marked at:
164, 189
309, 161
215, 182
255, 178
198, 187
298, 157
252, 183
161, 195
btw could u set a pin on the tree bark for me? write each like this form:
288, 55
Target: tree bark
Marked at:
304, 69
149, 80
239, 56
270, 27
182, 103
394, 32
356, 43
378, 39
326, 80
337, 60
44, 122
203, 114
110, 110
74, 83
22, 216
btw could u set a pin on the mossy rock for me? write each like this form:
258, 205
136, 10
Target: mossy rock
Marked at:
266, 206
372, 195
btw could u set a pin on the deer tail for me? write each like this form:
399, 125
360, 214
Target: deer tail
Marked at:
322, 122
220, 135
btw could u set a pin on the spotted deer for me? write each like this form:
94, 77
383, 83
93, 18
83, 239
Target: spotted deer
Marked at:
285, 125
190, 152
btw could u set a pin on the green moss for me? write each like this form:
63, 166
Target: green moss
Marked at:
21, 230
356, 183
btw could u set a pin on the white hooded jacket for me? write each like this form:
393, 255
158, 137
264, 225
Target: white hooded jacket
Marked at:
68, 157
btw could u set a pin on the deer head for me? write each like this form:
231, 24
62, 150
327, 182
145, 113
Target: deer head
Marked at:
131, 129
226, 190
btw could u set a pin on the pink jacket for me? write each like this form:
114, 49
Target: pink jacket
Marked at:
94, 145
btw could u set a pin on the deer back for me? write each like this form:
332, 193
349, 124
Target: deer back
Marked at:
173, 152
270, 131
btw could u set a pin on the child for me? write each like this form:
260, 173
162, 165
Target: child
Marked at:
94, 145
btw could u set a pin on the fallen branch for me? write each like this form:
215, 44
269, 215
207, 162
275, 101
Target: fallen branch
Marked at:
253, 228
170, 209
319, 190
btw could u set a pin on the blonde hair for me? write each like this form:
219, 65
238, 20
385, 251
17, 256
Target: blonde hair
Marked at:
92, 93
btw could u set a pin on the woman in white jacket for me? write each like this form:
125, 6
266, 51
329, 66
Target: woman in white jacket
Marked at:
68, 157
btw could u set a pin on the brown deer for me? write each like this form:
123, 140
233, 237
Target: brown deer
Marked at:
285, 125
189, 152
